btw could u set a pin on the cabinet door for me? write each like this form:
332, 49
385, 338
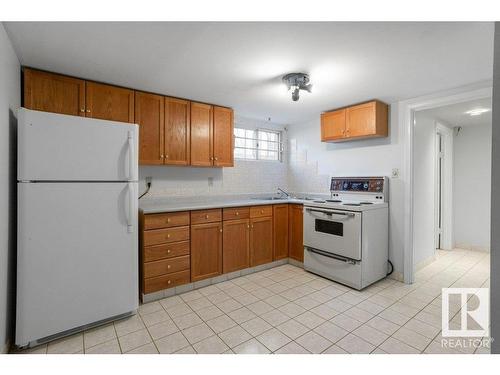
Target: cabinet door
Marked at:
149, 116
201, 135
296, 245
235, 248
177, 131
333, 125
280, 231
223, 137
206, 250
367, 120
53, 93
108, 102
261, 240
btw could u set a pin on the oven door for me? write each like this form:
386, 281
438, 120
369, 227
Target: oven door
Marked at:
334, 231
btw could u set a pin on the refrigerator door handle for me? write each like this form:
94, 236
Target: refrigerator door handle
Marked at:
131, 156
131, 208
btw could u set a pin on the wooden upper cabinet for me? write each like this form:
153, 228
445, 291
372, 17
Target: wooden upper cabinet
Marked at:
280, 231
333, 125
223, 137
366, 120
236, 242
206, 250
296, 235
201, 135
108, 102
53, 93
177, 131
149, 114
261, 240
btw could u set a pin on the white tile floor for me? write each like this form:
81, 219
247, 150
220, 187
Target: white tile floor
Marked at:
287, 310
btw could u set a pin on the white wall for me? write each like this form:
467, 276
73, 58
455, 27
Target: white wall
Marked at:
312, 163
9, 102
245, 177
472, 173
424, 187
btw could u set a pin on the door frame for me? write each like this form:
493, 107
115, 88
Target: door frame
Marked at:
406, 120
446, 185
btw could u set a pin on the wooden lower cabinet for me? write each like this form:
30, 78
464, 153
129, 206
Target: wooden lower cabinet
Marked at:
261, 240
235, 245
296, 235
280, 231
206, 250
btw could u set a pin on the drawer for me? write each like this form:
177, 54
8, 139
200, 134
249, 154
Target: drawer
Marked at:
261, 211
158, 236
206, 216
166, 250
166, 220
236, 213
166, 266
153, 284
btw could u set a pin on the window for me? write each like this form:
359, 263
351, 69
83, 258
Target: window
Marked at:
258, 144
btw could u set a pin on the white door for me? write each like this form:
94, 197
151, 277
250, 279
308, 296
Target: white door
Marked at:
77, 260
55, 147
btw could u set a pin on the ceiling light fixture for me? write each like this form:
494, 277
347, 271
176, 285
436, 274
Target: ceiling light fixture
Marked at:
297, 82
477, 111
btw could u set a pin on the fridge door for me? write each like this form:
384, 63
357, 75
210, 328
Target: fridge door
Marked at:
55, 147
77, 259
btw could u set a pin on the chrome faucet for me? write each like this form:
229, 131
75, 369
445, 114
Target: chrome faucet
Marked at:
280, 190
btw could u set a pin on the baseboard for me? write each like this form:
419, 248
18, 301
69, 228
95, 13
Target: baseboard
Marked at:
398, 276
465, 246
425, 262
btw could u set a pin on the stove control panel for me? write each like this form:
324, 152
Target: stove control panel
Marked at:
361, 184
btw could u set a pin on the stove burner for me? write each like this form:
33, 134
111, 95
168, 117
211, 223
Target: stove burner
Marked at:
351, 204
365, 203
333, 200
319, 201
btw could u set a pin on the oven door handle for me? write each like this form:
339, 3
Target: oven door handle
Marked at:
345, 215
330, 255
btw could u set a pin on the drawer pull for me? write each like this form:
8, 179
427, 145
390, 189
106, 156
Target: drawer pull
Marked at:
168, 235
220, 230
261, 211
168, 282
168, 220
168, 267
237, 213
206, 216
168, 251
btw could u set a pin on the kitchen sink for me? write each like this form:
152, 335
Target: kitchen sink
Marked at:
271, 198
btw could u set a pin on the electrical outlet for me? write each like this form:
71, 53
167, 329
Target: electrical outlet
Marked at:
395, 173
210, 181
149, 180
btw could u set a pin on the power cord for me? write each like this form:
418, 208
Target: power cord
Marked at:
148, 186
392, 268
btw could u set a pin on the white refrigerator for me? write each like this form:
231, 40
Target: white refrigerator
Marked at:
77, 245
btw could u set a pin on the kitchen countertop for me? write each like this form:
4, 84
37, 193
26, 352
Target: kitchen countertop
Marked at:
171, 204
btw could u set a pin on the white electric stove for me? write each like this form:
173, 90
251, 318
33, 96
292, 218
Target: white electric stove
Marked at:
346, 238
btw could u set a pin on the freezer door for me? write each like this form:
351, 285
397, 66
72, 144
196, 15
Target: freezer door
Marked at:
77, 258
55, 147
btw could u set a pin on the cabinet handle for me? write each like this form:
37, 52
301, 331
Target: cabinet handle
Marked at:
215, 158
237, 213
248, 226
261, 211
168, 282
168, 251
88, 110
206, 216
166, 156
168, 235
168, 220
220, 230
82, 109
168, 266
162, 156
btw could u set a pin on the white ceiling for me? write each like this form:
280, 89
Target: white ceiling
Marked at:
454, 115
241, 64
